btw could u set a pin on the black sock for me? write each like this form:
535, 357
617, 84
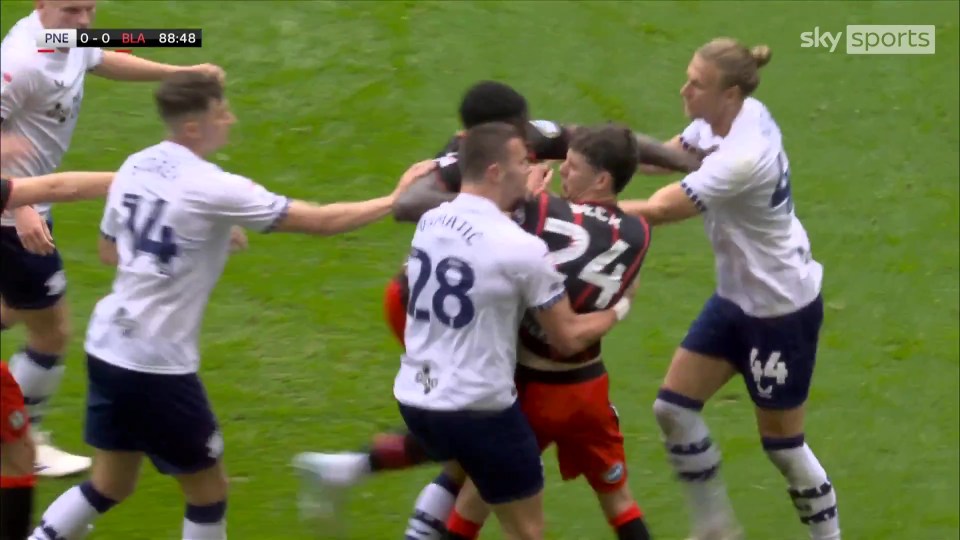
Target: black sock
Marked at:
16, 513
633, 530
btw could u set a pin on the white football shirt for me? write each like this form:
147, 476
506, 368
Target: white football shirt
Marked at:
170, 213
472, 273
763, 258
40, 97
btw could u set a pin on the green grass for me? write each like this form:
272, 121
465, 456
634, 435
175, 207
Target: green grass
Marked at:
335, 99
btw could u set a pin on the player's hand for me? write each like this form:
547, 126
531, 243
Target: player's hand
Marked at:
211, 69
33, 231
238, 239
413, 174
539, 179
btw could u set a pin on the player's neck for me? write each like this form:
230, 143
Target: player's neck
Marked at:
480, 189
721, 125
179, 141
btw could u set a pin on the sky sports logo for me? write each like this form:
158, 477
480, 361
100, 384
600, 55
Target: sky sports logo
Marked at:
875, 39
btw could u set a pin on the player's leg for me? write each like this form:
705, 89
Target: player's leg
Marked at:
434, 504
597, 452
186, 443
16, 461
33, 288
782, 364
116, 418
697, 371
8, 317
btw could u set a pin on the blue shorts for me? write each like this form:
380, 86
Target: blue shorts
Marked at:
497, 449
29, 281
776, 355
168, 417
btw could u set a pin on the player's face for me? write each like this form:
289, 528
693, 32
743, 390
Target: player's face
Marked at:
702, 95
66, 13
514, 172
578, 177
210, 131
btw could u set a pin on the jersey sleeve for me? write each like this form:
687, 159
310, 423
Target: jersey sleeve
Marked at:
448, 172
18, 82
690, 136
93, 57
6, 187
539, 281
239, 201
721, 177
111, 224
547, 140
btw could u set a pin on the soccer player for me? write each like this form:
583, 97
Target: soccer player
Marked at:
40, 100
472, 272
167, 227
599, 250
764, 319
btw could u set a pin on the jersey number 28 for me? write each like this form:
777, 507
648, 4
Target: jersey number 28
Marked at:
164, 248
454, 278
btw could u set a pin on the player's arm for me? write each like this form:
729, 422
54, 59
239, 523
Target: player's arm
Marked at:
720, 178
127, 67
665, 158
59, 187
544, 292
430, 190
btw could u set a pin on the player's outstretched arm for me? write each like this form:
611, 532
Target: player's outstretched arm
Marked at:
127, 67
336, 218
59, 187
669, 204
665, 158
426, 193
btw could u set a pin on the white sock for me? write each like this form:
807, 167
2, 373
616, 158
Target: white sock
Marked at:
810, 488
433, 507
204, 531
205, 522
70, 516
695, 459
39, 376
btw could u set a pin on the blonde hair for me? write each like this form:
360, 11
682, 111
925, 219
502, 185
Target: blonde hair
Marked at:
738, 65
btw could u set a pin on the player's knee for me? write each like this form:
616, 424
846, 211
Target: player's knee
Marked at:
49, 334
206, 487
673, 410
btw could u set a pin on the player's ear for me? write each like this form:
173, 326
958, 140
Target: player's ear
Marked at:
604, 181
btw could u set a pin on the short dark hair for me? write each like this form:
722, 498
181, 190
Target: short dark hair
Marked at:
611, 148
484, 145
491, 101
187, 92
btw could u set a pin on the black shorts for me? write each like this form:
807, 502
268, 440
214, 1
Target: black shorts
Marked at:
29, 281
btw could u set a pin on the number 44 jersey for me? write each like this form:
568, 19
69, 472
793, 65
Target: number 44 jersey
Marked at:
170, 214
597, 248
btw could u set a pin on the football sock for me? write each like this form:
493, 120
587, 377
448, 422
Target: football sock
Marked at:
432, 509
71, 514
16, 507
460, 528
38, 375
812, 493
395, 451
205, 522
695, 459
629, 525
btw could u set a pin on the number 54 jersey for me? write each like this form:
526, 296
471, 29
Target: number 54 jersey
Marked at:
170, 214
598, 249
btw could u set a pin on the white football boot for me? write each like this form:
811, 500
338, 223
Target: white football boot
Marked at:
51, 462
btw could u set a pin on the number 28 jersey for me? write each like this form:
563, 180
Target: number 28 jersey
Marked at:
597, 248
170, 214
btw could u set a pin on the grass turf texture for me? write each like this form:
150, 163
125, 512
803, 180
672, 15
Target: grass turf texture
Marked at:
335, 99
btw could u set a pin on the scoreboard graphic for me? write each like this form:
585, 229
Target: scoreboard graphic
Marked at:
68, 38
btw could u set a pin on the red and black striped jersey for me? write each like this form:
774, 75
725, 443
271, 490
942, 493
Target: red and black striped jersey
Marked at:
596, 246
